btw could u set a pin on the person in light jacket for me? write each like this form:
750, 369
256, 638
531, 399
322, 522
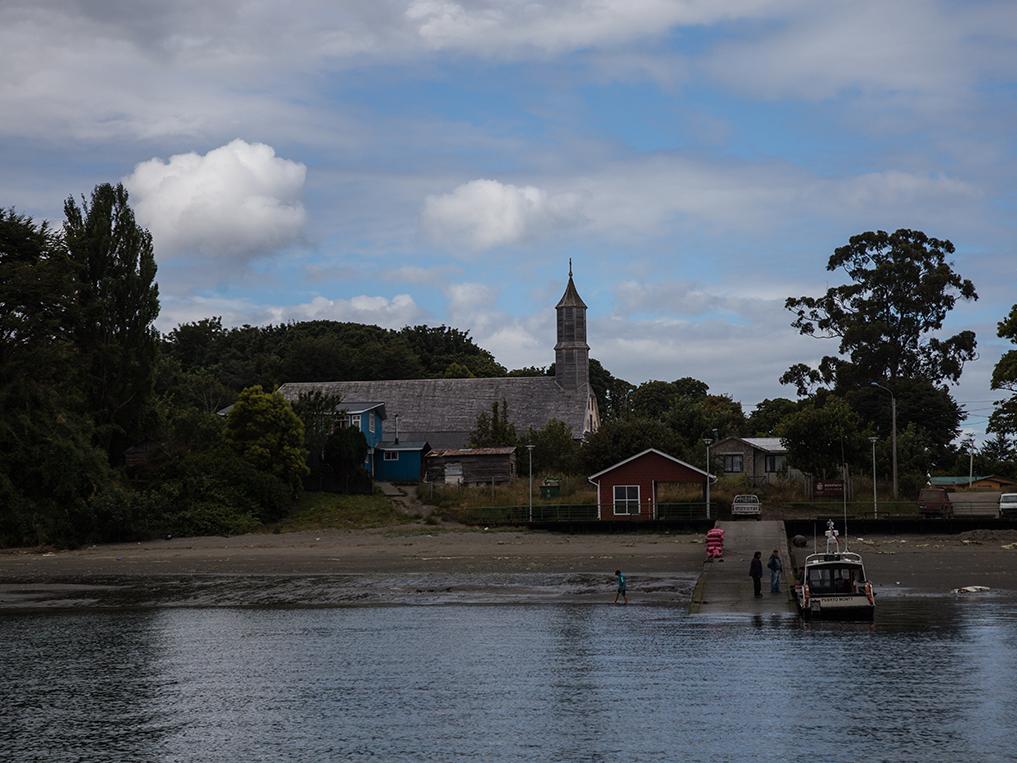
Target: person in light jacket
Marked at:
776, 568
756, 573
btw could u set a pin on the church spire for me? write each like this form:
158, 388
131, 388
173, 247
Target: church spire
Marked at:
571, 352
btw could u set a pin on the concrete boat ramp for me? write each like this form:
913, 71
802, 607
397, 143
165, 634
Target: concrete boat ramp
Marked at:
725, 587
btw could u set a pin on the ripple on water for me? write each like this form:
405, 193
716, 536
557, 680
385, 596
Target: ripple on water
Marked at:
930, 679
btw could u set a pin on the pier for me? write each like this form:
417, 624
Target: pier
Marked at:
725, 587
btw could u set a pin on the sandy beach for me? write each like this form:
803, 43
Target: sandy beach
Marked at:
417, 564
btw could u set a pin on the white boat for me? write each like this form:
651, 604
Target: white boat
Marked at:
833, 584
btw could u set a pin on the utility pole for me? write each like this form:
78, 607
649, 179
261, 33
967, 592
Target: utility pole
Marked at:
529, 452
708, 442
875, 505
893, 433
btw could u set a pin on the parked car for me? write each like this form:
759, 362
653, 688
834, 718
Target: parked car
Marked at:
1008, 506
746, 506
934, 502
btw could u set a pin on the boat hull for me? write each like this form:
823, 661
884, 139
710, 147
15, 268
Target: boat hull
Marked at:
854, 607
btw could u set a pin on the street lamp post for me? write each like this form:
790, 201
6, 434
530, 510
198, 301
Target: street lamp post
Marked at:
529, 452
893, 433
708, 442
875, 505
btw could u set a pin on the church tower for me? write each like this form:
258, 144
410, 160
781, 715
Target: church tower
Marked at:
571, 352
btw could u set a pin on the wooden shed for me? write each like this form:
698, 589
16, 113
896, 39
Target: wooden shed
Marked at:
628, 490
471, 466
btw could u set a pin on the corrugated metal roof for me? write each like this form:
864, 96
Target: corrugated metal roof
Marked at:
355, 408
963, 479
770, 444
452, 452
401, 445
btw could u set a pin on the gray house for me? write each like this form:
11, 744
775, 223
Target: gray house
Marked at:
443, 412
762, 459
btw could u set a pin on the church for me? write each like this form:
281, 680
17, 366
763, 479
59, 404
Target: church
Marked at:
443, 412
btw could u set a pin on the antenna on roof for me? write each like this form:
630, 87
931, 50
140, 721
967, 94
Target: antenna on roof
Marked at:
570, 267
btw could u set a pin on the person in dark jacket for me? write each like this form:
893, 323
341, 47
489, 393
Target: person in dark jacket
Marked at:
776, 568
756, 573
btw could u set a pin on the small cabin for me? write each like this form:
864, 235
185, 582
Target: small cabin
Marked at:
471, 466
628, 490
397, 461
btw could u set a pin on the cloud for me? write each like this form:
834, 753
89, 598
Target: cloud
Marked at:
929, 50
396, 312
507, 27
419, 275
237, 201
482, 214
649, 195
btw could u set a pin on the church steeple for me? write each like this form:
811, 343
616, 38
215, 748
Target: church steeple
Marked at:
571, 352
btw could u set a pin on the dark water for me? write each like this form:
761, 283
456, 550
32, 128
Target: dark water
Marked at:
933, 679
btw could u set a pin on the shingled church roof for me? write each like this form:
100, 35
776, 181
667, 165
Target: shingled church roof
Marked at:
445, 411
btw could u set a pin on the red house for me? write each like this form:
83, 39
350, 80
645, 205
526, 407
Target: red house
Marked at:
628, 490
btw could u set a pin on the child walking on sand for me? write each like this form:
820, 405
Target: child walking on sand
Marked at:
621, 587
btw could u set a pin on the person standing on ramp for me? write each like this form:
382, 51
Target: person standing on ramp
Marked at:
756, 573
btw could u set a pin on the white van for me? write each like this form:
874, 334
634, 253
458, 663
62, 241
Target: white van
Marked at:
1008, 506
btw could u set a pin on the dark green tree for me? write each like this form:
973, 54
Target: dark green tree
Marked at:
901, 288
438, 347
494, 430
998, 455
263, 429
1004, 377
820, 438
117, 301
763, 420
613, 394
554, 449
344, 454
618, 439
49, 468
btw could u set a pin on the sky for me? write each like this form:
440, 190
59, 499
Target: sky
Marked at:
440, 161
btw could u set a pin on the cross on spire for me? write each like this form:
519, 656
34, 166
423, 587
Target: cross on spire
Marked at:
570, 267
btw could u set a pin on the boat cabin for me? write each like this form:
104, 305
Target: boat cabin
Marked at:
840, 573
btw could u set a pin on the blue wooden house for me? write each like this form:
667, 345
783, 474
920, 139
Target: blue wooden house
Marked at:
369, 418
397, 461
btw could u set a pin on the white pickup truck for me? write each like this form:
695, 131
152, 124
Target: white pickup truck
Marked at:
746, 506
1008, 506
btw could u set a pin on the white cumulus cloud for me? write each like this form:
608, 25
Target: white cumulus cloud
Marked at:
482, 214
239, 201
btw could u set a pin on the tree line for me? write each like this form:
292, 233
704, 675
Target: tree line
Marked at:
111, 431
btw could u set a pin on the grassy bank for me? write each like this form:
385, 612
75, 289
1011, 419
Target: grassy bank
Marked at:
316, 511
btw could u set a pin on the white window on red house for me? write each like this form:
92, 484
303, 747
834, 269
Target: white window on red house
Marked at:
391, 455
732, 463
626, 499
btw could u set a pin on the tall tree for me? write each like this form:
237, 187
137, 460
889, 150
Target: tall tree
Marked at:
49, 468
900, 289
117, 303
1004, 376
